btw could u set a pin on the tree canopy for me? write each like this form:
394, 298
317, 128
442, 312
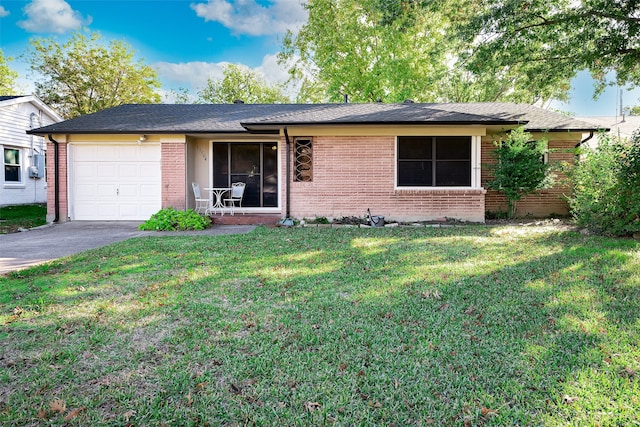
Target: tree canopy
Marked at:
7, 76
397, 50
86, 75
241, 83
562, 37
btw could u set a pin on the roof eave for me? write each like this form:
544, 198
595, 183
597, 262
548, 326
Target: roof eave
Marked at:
131, 131
278, 125
568, 130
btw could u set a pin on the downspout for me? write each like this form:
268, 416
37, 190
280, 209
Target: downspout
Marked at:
576, 156
56, 173
585, 140
287, 221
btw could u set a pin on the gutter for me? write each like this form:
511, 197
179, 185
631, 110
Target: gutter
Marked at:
585, 140
56, 165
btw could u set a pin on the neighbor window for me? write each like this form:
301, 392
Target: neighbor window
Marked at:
303, 159
12, 165
434, 161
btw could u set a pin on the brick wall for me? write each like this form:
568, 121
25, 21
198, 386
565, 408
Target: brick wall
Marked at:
547, 202
62, 176
351, 174
174, 175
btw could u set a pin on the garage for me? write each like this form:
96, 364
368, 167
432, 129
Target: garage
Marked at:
114, 181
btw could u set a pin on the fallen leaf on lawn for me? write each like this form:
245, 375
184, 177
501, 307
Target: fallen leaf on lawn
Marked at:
627, 372
569, 399
312, 406
282, 405
58, 406
189, 399
128, 415
486, 411
343, 367
375, 404
201, 386
74, 413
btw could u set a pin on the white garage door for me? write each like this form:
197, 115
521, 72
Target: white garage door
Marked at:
115, 182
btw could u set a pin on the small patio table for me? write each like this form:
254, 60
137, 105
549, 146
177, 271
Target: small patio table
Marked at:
217, 193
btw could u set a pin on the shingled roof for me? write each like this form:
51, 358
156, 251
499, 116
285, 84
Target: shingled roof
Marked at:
234, 118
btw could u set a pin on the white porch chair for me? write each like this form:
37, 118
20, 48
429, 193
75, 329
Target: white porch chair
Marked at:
202, 204
237, 193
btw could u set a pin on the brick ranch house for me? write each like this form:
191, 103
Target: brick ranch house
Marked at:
407, 161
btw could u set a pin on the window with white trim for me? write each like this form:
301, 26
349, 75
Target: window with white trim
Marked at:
434, 161
12, 167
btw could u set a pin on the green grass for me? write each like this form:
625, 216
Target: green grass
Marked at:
21, 216
467, 326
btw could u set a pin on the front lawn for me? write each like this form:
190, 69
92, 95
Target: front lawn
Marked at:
13, 218
460, 326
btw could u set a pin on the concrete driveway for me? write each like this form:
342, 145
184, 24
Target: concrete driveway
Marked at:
42, 244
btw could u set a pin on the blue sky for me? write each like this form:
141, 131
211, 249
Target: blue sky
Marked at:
188, 41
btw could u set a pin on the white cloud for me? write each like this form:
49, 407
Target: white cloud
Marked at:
250, 17
52, 16
3, 12
189, 75
193, 76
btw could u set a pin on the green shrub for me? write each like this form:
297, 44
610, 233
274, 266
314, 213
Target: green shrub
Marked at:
519, 169
606, 182
170, 219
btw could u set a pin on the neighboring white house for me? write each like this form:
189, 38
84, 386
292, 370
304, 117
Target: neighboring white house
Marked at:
620, 126
23, 179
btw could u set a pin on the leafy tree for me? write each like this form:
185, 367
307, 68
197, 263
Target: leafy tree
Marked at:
178, 96
85, 75
562, 37
241, 83
605, 197
7, 76
397, 50
519, 169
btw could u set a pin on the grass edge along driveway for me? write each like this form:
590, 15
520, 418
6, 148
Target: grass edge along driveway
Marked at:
464, 326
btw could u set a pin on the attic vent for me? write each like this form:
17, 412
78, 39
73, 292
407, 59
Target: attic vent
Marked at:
238, 101
408, 101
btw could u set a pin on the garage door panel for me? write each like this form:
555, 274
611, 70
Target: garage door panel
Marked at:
106, 190
116, 182
128, 170
83, 153
150, 154
106, 170
130, 190
85, 170
149, 170
149, 191
86, 210
85, 191
129, 211
147, 209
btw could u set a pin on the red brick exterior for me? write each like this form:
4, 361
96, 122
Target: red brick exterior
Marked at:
351, 174
551, 201
174, 178
51, 178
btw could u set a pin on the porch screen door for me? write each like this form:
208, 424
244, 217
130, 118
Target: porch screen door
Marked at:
255, 164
